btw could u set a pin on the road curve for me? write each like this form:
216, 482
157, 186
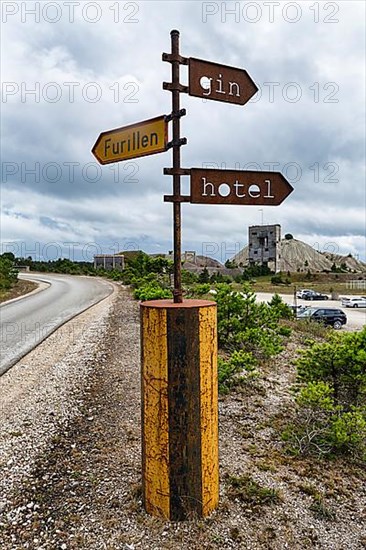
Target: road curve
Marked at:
27, 322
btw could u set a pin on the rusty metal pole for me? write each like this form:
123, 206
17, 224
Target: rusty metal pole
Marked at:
177, 229
180, 459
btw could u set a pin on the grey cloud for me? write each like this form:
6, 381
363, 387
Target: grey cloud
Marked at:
305, 132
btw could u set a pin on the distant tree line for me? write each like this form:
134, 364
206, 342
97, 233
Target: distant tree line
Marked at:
61, 265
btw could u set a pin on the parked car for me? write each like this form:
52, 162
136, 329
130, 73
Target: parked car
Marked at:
360, 301
328, 316
300, 293
312, 295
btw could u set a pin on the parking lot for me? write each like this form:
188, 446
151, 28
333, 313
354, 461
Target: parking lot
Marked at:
356, 317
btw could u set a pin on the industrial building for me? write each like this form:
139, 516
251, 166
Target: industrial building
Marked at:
265, 245
109, 261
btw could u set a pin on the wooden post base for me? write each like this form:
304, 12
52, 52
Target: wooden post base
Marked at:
180, 473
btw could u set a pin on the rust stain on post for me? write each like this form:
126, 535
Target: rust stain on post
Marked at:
209, 409
184, 413
155, 424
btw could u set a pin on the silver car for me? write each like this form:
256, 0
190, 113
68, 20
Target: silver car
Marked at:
360, 301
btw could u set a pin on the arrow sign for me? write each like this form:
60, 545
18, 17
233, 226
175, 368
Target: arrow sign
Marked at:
136, 140
220, 82
238, 187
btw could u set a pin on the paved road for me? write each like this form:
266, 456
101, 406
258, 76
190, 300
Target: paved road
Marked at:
356, 318
27, 322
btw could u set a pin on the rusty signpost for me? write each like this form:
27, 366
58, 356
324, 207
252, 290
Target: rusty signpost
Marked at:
176, 88
179, 383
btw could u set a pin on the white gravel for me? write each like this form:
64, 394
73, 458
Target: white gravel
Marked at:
41, 392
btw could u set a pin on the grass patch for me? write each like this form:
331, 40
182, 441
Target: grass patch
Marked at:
266, 466
320, 510
309, 490
20, 288
309, 328
251, 492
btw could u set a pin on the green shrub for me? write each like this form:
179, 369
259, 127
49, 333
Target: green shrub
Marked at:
348, 433
115, 275
188, 278
204, 276
201, 289
341, 362
284, 331
246, 324
277, 279
254, 271
309, 433
278, 306
220, 278
317, 396
151, 291
263, 341
8, 273
229, 264
239, 368
331, 413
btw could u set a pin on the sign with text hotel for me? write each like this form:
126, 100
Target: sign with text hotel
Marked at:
210, 186
136, 140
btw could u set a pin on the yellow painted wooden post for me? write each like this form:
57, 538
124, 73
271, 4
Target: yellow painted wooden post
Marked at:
180, 473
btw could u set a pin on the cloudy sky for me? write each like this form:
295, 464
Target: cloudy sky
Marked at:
71, 70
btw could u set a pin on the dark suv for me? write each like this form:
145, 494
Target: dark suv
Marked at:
328, 316
312, 295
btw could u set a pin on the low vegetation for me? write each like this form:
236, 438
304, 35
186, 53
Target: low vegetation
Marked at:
331, 398
251, 492
8, 272
149, 277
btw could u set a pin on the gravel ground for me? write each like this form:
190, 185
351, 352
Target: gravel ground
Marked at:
70, 455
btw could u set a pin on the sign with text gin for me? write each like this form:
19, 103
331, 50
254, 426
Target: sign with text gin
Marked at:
220, 82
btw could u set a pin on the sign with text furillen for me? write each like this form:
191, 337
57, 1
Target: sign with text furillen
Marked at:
136, 140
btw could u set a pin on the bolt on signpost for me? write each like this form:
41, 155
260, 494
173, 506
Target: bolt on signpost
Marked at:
179, 386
